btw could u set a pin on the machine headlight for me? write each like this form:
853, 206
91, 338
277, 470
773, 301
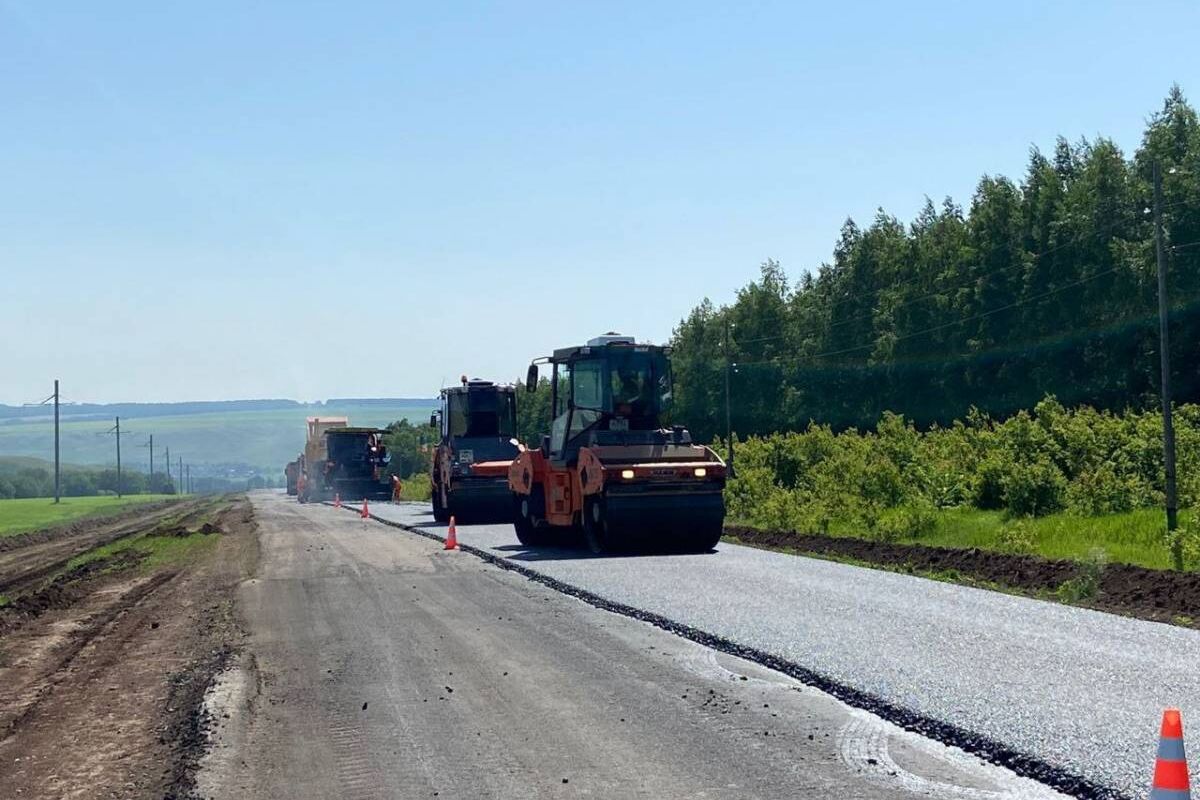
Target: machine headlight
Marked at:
627, 474
699, 472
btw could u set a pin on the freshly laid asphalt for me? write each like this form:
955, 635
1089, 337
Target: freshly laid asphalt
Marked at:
1078, 690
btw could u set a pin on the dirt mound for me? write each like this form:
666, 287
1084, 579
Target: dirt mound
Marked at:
66, 589
1122, 588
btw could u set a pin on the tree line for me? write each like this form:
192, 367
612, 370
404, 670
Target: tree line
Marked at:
1046, 286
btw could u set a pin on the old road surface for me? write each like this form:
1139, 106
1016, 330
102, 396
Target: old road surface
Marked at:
378, 665
1074, 695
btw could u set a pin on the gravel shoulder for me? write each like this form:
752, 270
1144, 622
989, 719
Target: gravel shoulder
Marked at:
1074, 691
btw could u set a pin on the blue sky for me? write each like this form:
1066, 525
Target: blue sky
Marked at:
228, 200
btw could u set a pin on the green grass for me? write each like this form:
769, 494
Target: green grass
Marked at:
1133, 537
416, 487
156, 551
25, 514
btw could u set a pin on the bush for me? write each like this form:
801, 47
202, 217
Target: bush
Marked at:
1104, 491
911, 521
1017, 537
1033, 489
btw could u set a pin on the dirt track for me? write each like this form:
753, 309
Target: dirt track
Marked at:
103, 667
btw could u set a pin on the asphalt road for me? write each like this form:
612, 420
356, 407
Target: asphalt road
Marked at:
380, 665
1079, 690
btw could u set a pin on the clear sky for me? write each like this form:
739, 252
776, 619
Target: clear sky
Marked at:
219, 200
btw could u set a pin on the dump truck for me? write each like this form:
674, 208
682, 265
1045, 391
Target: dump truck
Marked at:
609, 467
355, 464
291, 473
477, 422
311, 482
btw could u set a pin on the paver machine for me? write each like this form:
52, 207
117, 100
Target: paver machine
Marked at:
311, 481
355, 462
469, 472
608, 465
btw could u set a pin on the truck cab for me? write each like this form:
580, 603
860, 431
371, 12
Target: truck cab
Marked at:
477, 425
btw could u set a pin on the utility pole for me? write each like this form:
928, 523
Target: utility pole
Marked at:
151, 445
188, 481
1164, 354
117, 430
728, 417
169, 466
182, 488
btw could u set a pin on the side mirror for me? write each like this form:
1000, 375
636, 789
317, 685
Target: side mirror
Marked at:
433, 420
531, 378
545, 444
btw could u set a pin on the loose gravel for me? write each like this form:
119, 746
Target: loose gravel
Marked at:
1067, 695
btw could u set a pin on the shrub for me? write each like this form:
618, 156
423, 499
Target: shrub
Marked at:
1104, 491
1017, 537
1033, 489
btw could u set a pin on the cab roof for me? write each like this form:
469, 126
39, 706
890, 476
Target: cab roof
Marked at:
478, 384
610, 342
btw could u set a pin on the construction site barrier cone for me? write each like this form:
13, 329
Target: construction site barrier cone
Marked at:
365, 513
337, 501
1170, 767
452, 536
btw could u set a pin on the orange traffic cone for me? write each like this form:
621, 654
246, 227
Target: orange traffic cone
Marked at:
1170, 767
337, 500
452, 536
365, 513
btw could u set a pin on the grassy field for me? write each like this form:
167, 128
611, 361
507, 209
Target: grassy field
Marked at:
1134, 537
17, 516
266, 439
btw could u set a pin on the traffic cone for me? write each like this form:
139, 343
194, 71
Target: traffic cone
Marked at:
365, 513
1170, 767
337, 500
452, 536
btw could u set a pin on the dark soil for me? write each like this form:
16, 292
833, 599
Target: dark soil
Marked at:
66, 589
1123, 588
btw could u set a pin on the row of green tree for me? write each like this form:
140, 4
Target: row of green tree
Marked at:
1047, 285
79, 482
82, 482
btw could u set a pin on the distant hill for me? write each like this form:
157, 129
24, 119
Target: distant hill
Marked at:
242, 436
137, 410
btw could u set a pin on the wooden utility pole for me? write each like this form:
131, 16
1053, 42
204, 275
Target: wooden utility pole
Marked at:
182, 488
728, 413
117, 430
1164, 354
169, 465
57, 466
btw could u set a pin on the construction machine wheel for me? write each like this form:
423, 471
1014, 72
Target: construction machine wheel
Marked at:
440, 512
596, 530
703, 541
525, 520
